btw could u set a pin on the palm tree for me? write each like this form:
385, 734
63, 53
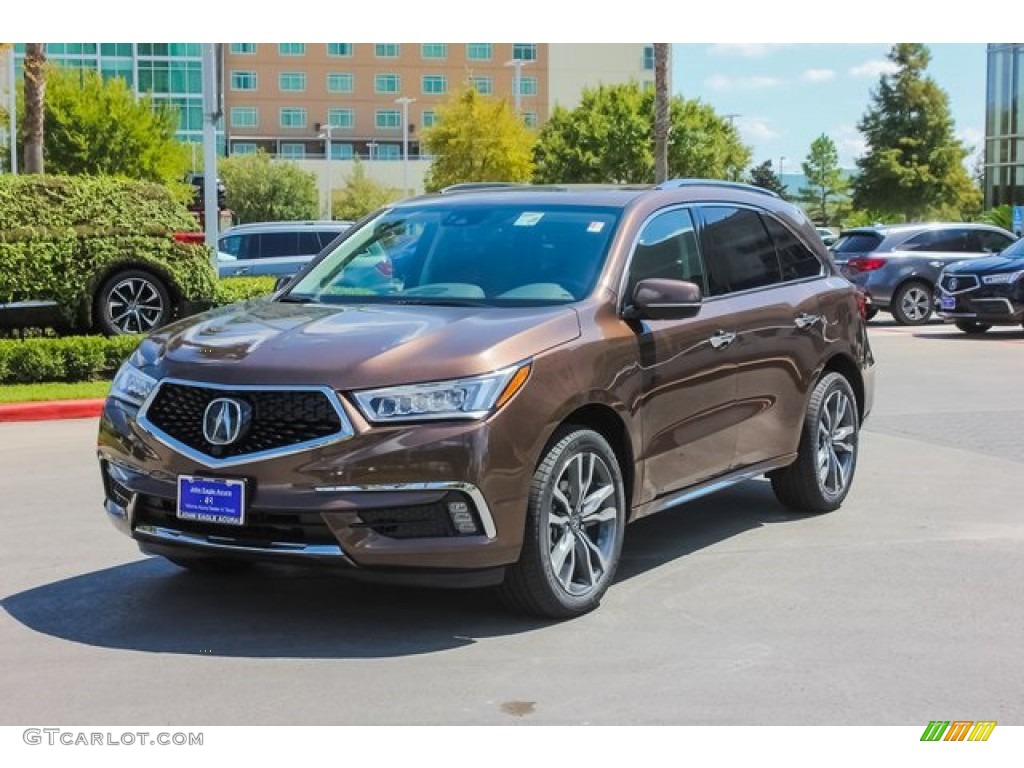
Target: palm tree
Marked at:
661, 121
35, 95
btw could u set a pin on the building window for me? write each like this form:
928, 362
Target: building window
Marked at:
434, 51
113, 68
291, 81
428, 118
344, 118
293, 117
648, 57
243, 148
435, 84
240, 81
291, 49
388, 152
293, 151
478, 51
482, 84
340, 82
386, 50
243, 49
342, 152
528, 86
339, 49
170, 49
243, 117
388, 118
116, 49
524, 51
530, 118
387, 83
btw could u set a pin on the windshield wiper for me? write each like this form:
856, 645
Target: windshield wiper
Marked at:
439, 301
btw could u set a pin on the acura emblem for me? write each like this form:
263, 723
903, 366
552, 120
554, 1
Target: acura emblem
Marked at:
224, 420
953, 284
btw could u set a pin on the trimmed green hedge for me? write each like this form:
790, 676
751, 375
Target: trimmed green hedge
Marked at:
71, 358
232, 289
62, 235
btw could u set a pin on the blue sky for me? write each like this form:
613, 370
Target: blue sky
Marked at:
785, 95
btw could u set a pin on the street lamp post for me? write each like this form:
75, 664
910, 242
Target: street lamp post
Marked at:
782, 165
517, 81
405, 101
371, 145
325, 134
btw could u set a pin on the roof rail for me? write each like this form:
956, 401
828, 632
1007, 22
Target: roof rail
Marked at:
676, 183
472, 186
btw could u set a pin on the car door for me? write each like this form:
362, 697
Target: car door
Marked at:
771, 282
688, 385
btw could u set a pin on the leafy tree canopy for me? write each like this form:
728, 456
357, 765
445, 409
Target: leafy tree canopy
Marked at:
360, 195
609, 138
261, 190
763, 176
825, 193
914, 163
477, 138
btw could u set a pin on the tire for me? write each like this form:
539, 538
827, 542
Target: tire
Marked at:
131, 301
219, 566
570, 551
912, 303
821, 476
870, 313
972, 328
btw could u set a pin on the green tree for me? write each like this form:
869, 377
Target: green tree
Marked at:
609, 138
477, 138
763, 176
825, 193
32, 126
98, 127
261, 190
914, 163
360, 195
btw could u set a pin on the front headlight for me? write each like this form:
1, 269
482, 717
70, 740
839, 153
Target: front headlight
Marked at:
471, 398
131, 385
1006, 277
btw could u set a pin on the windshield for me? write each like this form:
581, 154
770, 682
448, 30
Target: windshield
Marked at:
1014, 250
466, 253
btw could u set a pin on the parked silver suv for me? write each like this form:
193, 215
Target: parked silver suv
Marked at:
274, 247
898, 264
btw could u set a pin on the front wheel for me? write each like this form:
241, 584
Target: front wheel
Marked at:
132, 301
574, 528
820, 478
967, 326
912, 304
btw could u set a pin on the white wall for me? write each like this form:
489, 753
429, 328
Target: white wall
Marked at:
575, 66
386, 172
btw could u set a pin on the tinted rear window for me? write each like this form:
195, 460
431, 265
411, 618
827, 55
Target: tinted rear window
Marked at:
857, 242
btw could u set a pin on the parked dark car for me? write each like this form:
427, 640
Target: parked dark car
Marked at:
981, 293
553, 365
898, 264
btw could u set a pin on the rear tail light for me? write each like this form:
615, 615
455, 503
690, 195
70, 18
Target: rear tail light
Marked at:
863, 303
384, 267
865, 264
190, 238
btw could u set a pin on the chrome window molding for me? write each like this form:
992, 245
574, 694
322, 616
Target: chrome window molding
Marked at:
150, 428
486, 518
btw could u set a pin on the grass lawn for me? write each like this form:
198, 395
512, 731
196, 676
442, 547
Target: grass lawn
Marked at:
59, 390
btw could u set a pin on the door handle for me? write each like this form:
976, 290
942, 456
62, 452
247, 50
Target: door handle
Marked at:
805, 320
722, 339
242, 271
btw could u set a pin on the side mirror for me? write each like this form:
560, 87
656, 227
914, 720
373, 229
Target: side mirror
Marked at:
282, 281
660, 299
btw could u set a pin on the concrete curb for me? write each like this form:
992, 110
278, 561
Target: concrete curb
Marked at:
52, 409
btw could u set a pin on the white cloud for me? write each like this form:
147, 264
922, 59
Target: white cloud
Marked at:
818, 75
756, 129
849, 143
748, 50
726, 83
874, 68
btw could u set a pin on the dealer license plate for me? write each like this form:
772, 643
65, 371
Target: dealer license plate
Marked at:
948, 302
211, 500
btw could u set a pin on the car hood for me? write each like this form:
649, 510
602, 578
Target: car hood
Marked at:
352, 346
987, 265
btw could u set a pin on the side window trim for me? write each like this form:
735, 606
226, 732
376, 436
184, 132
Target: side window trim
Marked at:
822, 269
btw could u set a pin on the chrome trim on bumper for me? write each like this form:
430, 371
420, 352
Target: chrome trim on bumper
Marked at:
344, 433
224, 544
486, 519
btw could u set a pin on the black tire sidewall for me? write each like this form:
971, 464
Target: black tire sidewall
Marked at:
101, 314
826, 387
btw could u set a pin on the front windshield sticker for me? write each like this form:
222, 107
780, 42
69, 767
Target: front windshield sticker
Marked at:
528, 219
595, 226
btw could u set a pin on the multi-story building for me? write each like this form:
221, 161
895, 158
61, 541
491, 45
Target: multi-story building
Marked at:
278, 97
1004, 125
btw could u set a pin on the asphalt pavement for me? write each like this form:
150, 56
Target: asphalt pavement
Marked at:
900, 608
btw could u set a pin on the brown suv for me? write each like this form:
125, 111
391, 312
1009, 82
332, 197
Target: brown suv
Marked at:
544, 366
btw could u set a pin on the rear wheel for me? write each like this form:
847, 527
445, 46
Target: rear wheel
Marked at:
912, 304
574, 528
132, 301
968, 326
820, 478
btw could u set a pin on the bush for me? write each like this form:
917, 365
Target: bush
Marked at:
261, 190
72, 358
60, 236
234, 289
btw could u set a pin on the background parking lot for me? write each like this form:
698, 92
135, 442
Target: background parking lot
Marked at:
900, 608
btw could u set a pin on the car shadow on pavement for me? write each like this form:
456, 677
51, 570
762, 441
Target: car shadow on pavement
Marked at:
1008, 333
272, 611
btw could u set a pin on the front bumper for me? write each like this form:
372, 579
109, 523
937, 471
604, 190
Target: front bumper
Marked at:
977, 302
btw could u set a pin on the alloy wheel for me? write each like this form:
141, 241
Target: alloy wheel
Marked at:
837, 446
916, 304
134, 305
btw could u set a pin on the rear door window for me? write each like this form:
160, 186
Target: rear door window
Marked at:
739, 252
796, 259
279, 244
944, 240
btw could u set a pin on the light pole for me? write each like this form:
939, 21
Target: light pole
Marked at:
325, 134
517, 80
371, 145
212, 110
782, 164
405, 101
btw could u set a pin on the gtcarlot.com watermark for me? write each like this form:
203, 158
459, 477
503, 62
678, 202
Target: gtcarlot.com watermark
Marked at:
62, 737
